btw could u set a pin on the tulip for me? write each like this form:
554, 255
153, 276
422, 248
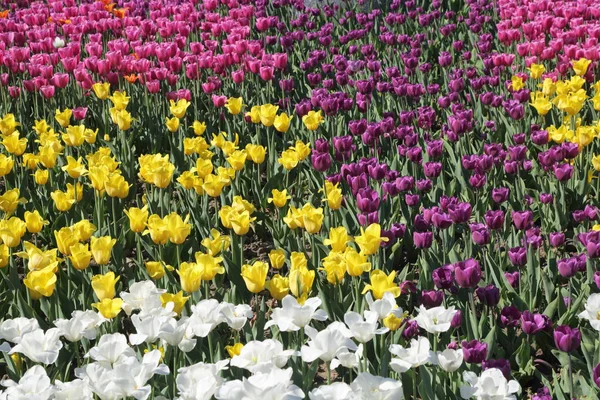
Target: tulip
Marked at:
279, 198
177, 228
104, 285
278, 287
41, 282
80, 256
240, 222
282, 122
157, 269
35, 222
567, 339
101, 248
137, 218
533, 323
101, 90
312, 120
382, 283
172, 124
467, 273
267, 114
255, 276
474, 351
501, 364
488, 295
109, 308
234, 105
370, 239
178, 109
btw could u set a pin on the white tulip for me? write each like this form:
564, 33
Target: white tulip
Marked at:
365, 329
335, 391
35, 384
148, 326
199, 381
13, 329
58, 43
236, 316
436, 319
110, 349
450, 360
258, 356
327, 343
39, 346
275, 384
78, 389
372, 387
205, 317
592, 311
144, 296
490, 385
416, 355
82, 324
292, 316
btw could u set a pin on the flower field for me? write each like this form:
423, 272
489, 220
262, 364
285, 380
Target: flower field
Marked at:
279, 199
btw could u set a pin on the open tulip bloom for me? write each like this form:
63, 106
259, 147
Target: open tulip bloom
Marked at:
236, 199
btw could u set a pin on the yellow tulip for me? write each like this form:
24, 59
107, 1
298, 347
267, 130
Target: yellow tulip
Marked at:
279, 198
63, 117
312, 120
137, 218
240, 222
8, 124
199, 128
74, 167
101, 249
83, 230
35, 222
209, 265
302, 149
213, 185
298, 260
41, 176
12, 230
254, 114
179, 108
392, 322
62, 201
225, 214
75, 135
30, 161
277, 258
190, 276
234, 350
37, 258
41, 282
256, 153
541, 104
278, 287
117, 186
301, 282
548, 87
596, 162
177, 228
370, 239
267, 114
234, 105
289, 159
255, 276
356, 263
158, 229
580, 66
157, 269
294, 218
14, 144
101, 90
334, 267
536, 70
382, 283
123, 120
177, 299
120, 100
516, 83
104, 285
237, 159
4, 255
338, 239
109, 308
217, 244
282, 122
81, 256
6, 165
172, 124
241, 205
10, 200
312, 218
65, 239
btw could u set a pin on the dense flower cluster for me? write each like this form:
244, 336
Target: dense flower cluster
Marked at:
278, 199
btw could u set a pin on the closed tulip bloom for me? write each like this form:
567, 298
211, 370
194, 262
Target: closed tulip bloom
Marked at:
423, 240
256, 153
117, 186
217, 243
101, 90
62, 200
467, 273
80, 256
312, 218
6, 165
101, 249
534, 323
172, 124
199, 128
109, 308
178, 229
35, 222
356, 263
74, 167
104, 285
119, 99
190, 276
278, 287
536, 70
158, 229
255, 276
65, 239
334, 267
488, 295
237, 159
301, 281
12, 230
474, 352
41, 176
41, 282
83, 230
63, 117
267, 114
137, 218
289, 159
567, 339
234, 105
333, 195
580, 66
282, 122
10, 200
277, 258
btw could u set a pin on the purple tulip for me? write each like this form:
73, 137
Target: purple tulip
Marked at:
546, 198
488, 295
517, 256
320, 161
456, 321
567, 267
460, 213
412, 200
567, 339
494, 219
597, 279
432, 298
513, 278
500, 195
467, 273
501, 364
423, 240
410, 330
442, 277
474, 352
432, 169
510, 316
480, 234
563, 172
597, 375
534, 323
367, 200
441, 220
556, 239
522, 219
